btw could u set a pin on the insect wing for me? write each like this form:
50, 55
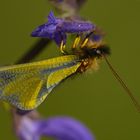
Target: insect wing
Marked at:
27, 85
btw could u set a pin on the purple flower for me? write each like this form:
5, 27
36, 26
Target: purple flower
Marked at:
56, 28
60, 128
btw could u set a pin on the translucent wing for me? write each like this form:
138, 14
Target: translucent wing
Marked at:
27, 85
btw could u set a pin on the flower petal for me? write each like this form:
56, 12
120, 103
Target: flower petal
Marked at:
51, 18
64, 128
59, 36
77, 26
60, 128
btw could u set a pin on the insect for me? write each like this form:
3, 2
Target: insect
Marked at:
26, 86
56, 28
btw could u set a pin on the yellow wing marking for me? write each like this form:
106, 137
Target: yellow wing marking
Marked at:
59, 75
49, 63
32, 102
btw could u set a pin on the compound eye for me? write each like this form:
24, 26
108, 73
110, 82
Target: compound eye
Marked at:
98, 51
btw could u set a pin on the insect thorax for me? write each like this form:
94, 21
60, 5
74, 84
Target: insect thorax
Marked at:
90, 56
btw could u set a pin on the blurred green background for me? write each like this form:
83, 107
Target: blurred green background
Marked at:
96, 99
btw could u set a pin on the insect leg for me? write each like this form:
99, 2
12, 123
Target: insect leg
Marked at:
76, 41
62, 47
86, 39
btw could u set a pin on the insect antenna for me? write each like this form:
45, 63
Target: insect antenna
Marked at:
122, 84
